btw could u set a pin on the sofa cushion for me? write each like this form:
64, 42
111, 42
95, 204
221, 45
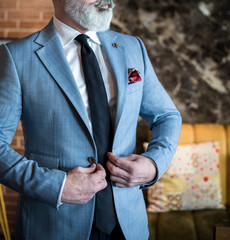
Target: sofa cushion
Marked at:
189, 225
191, 182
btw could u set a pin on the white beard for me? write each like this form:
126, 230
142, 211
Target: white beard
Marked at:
88, 16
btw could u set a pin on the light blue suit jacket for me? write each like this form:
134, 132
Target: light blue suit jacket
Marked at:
37, 86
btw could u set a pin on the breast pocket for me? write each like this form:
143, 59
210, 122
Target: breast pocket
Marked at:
134, 87
45, 161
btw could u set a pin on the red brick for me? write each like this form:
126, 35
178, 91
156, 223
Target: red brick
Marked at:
25, 14
2, 14
9, 1
18, 148
48, 14
11, 220
33, 25
15, 34
39, 4
14, 142
11, 216
21, 152
2, 34
12, 229
8, 24
19, 131
12, 224
22, 143
10, 191
8, 4
10, 201
9, 195
11, 208
18, 136
19, 125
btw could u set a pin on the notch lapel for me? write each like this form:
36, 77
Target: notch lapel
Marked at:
52, 55
115, 53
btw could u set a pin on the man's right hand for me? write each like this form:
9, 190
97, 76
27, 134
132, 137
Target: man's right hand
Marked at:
83, 183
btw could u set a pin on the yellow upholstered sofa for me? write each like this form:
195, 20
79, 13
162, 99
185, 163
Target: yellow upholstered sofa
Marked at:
199, 224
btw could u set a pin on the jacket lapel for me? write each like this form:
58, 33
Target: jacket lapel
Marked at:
51, 54
114, 50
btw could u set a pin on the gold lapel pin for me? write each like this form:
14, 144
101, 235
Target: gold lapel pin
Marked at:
115, 45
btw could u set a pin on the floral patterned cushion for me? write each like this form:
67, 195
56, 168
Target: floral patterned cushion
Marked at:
192, 181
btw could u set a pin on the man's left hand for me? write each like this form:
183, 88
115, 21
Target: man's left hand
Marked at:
130, 171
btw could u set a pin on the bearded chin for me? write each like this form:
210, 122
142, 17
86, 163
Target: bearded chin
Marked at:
89, 17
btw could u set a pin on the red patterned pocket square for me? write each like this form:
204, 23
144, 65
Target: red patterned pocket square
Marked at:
134, 76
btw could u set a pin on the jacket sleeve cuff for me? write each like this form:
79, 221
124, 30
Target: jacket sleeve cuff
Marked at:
149, 184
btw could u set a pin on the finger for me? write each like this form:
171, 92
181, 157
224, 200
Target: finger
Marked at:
100, 170
121, 162
100, 167
120, 185
125, 182
116, 179
100, 186
99, 175
131, 157
96, 182
116, 171
131, 182
88, 170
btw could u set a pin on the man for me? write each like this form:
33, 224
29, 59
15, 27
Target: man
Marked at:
69, 187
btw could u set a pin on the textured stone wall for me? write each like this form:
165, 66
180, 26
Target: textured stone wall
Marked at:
189, 45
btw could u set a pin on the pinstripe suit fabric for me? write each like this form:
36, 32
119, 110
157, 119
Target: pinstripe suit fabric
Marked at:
37, 86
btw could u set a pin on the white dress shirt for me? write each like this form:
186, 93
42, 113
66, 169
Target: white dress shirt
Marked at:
72, 51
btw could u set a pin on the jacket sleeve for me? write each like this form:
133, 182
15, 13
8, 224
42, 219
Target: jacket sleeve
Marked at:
163, 118
17, 172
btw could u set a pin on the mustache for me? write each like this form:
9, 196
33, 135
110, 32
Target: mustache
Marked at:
101, 3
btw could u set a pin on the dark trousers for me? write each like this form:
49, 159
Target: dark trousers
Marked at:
116, 234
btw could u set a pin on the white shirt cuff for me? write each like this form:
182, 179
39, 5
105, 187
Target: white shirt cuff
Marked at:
60, 194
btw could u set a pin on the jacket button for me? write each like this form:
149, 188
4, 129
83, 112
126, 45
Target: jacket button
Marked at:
92, 160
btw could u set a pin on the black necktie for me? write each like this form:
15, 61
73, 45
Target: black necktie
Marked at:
105, 216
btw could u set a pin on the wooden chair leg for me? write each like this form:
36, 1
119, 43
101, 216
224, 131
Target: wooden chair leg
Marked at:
3, 217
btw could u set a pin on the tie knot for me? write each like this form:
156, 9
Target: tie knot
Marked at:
82, 39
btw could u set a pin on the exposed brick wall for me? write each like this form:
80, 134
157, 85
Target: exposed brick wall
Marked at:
19, 18
10, 196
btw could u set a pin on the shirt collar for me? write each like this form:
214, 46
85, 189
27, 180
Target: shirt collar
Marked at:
67, 34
